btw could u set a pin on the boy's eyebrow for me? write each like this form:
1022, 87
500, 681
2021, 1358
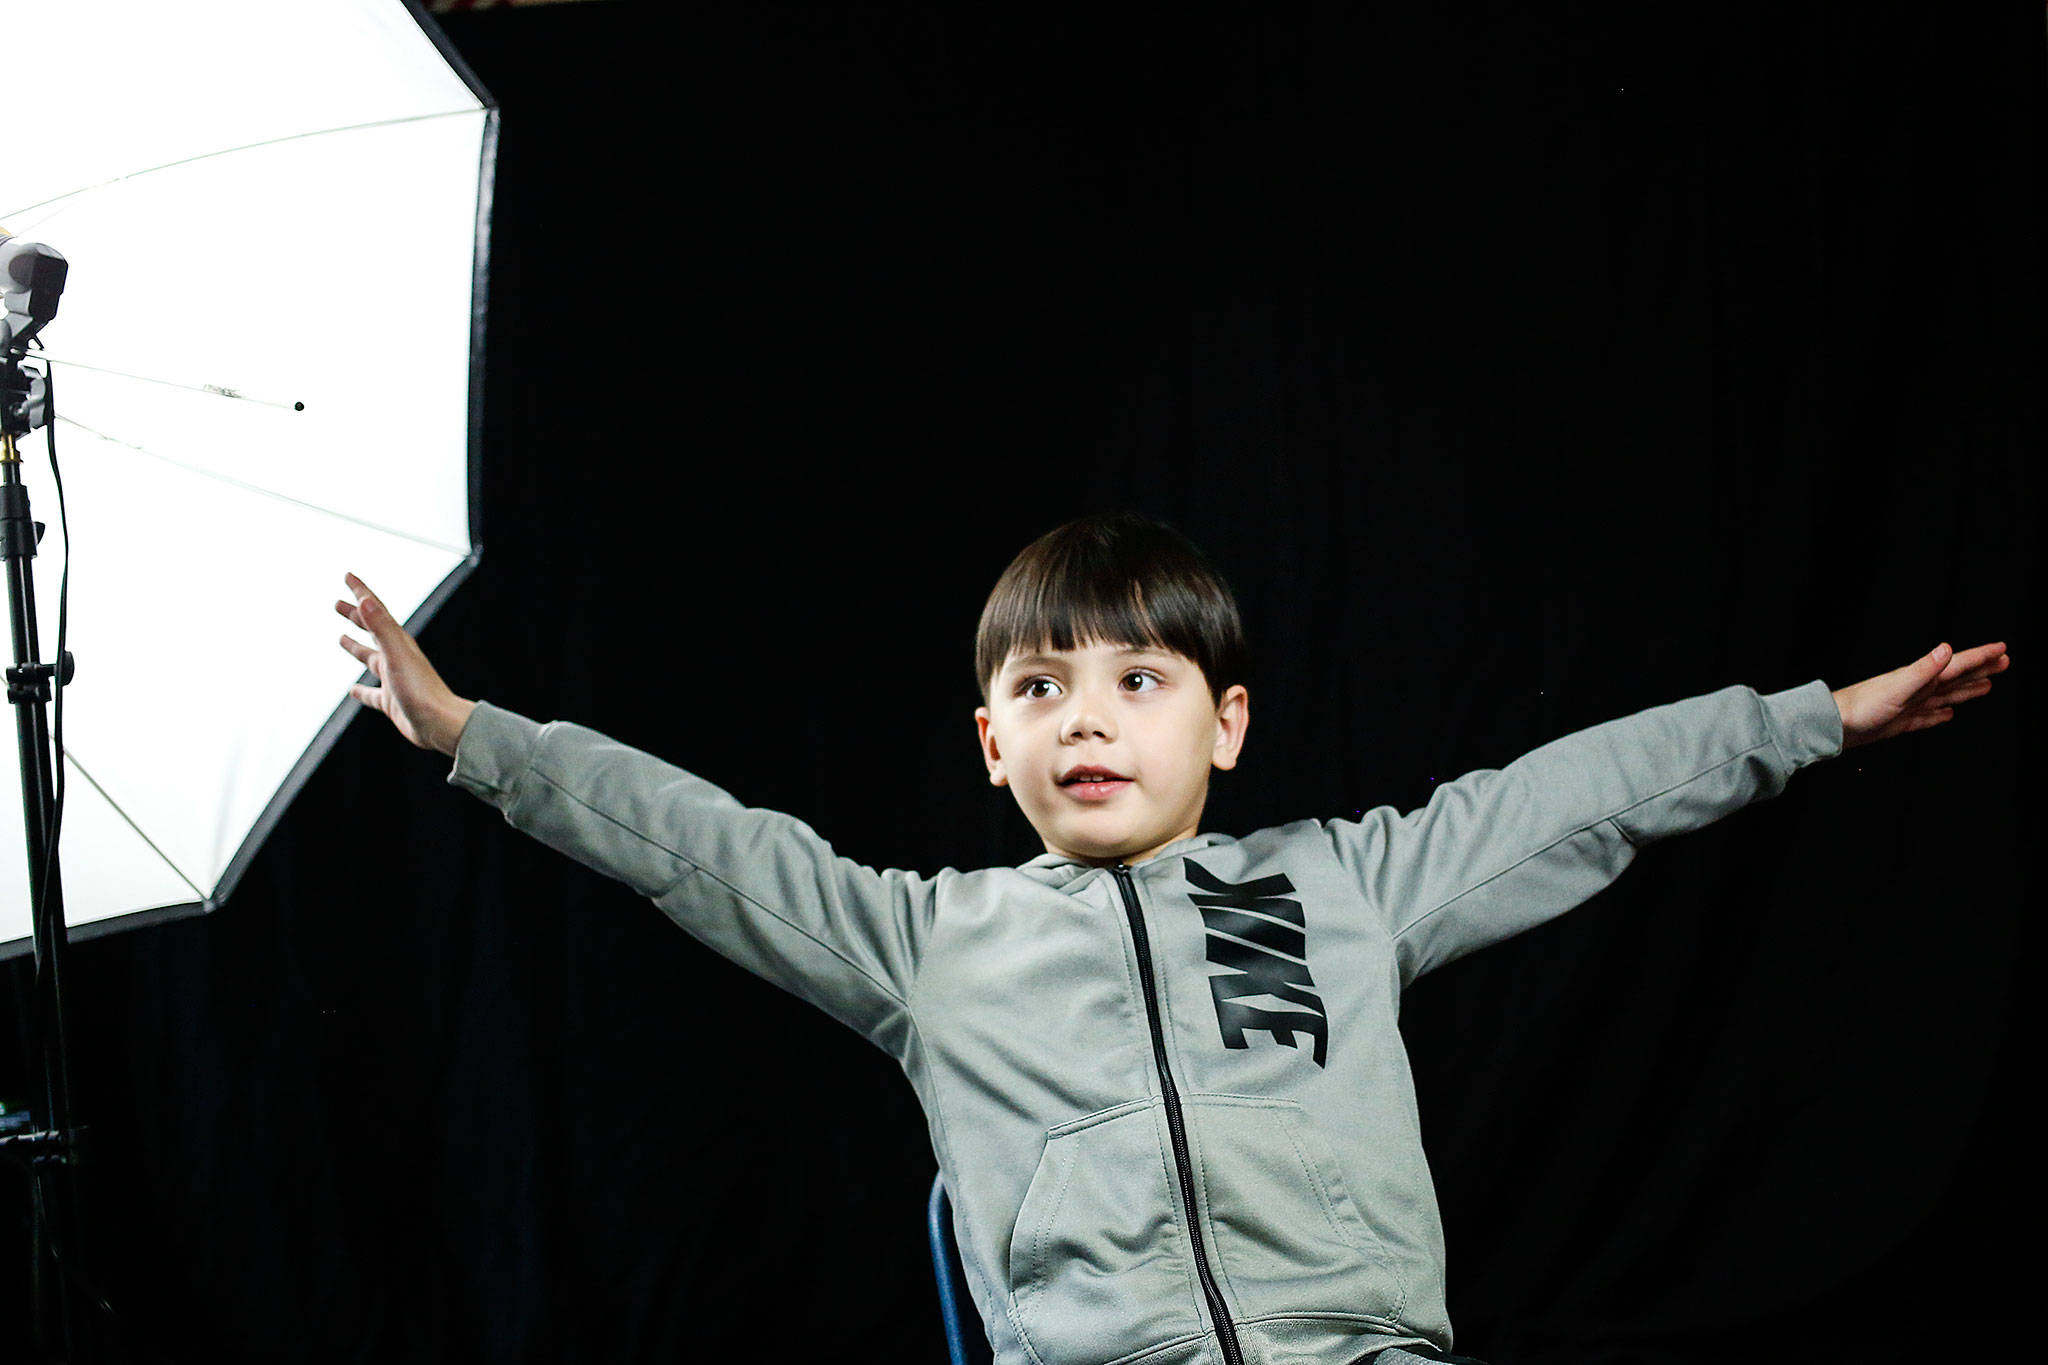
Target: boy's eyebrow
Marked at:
1036, 660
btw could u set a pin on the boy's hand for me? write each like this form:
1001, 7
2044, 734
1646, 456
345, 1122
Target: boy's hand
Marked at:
1921, 694
413, 695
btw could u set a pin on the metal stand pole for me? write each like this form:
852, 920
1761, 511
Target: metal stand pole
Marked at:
62, 1331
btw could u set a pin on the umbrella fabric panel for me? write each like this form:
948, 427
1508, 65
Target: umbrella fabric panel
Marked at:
263, 376
108, 865
325, 283
202, 677
169, 82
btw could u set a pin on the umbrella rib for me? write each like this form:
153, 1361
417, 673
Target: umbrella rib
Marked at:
216, 390
116, 806
266, 492
229, 151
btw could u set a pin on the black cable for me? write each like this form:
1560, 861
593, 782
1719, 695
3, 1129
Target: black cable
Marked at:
63, 604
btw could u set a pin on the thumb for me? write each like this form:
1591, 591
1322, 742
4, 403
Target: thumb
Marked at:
1920, 675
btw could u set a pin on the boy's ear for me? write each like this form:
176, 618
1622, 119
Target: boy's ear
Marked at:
989, 755
1233, 714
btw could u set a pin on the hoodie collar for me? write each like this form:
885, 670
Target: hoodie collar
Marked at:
1056, 869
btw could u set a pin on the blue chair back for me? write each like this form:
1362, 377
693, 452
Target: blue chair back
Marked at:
964, 1347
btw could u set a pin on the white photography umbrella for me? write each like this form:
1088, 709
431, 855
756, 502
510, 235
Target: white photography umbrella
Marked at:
266, 370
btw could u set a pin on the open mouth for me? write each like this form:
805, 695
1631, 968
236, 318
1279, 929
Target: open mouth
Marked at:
1093, 784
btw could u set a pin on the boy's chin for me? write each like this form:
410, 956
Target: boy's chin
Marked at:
1105, 852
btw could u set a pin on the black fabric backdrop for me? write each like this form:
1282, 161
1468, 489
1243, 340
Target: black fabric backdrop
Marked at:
1522, 366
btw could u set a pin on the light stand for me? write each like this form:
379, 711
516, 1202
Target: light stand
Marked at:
33, 277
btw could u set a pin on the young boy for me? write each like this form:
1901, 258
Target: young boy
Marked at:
1160, 1067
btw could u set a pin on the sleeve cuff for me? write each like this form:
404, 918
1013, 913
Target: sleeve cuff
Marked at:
496, 747
1804, 722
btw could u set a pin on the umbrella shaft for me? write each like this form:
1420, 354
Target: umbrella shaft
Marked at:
61, 1251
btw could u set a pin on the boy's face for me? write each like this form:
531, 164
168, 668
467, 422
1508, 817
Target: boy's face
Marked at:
1142, 714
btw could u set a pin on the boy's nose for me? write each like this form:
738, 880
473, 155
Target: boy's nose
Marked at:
1088, 724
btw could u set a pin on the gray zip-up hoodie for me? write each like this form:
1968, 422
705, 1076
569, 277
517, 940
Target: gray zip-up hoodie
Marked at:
1170, 1102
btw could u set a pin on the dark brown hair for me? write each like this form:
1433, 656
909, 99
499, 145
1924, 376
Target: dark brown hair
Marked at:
1118, 578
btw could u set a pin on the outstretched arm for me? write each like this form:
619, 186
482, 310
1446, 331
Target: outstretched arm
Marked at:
756, 886
1923, 693
1498, 851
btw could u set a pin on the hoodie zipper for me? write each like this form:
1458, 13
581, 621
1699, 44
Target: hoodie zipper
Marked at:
1176, 1123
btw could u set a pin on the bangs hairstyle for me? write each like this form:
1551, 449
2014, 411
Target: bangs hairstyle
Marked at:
1119, 578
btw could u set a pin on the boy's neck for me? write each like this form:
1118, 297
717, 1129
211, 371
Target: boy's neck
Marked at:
1122, 859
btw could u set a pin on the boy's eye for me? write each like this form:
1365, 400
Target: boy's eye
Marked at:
1031, 687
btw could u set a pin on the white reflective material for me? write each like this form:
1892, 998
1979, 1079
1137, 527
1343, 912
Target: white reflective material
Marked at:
106, 88
261, 365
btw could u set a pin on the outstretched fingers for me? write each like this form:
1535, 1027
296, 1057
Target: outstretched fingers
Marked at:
369, 607
1951, 695
1975, 663
354, 614
364, 655
1968, 675
1936, 702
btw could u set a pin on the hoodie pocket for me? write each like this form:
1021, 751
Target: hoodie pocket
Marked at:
1287, 1236
1098, 1261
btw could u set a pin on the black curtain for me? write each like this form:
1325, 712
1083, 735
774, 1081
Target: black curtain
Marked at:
1522, 366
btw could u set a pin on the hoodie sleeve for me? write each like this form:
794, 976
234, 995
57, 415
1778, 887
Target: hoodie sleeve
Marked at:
756, 886
1499, 851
